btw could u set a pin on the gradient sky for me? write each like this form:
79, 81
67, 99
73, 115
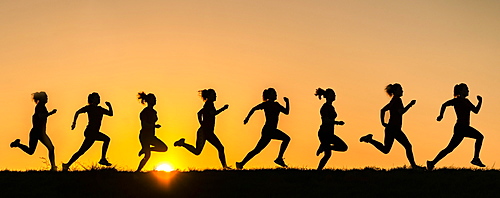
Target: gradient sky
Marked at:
175, 48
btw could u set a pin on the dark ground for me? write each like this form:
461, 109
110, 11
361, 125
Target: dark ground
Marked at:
253, 183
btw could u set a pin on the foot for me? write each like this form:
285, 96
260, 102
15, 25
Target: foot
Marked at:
65, 167
280, 162
104, 162
141, 152
227, 167
320, 150
366, 138
179, 142
15, 143
430, 165
53, 169
239, 165
477, 162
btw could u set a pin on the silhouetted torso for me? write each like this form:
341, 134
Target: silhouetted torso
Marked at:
208, 112
148, 115
39, 118
272, 111
463, 107
327, 111
95, 114
396, 118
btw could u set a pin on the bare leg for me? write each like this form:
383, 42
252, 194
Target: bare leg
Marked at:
50, 147
220, 148
200, 143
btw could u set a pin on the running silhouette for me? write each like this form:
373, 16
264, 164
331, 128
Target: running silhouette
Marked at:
326, 133
272, 110
393, 128
92, 134
147, 135
39, 130
462, 128
206, 118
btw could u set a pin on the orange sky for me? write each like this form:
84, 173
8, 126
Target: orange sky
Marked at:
173, 49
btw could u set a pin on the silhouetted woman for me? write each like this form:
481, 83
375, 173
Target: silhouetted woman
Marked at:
326, 133
462, 128
39, 130
92, 134
393, 128
148, 123
206, 118
272, 110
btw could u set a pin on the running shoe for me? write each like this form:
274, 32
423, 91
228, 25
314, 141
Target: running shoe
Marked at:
179, 142
65, 167
239, 165
104, 162
280, 162
15, 143
366, 138
53, 169
477, 162
430, 165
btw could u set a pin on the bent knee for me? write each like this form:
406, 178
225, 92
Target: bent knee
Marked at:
343, 148
386, 151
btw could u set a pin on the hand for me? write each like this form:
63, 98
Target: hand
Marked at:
226, 106
157, 126
73, 126
340, 123
285, 99
53, 111
385, 124
413, 102
245, 121
107, 103
479, 98
439, 118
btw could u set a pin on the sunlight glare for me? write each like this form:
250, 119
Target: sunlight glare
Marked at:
164, 167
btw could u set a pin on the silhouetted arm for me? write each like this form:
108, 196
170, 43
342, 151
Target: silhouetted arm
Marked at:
443, 109
221, 109
339, 122
146, 120
110, 111
251, 113
286, 111
382, 114
82, 110
52, 112
404, 110
43, 113
478, 107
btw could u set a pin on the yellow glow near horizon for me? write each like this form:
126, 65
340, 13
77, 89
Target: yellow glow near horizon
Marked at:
165, 167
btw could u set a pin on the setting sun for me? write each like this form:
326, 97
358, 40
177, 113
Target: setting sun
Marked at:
164, 167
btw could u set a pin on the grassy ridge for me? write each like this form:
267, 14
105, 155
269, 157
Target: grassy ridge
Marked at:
253, 183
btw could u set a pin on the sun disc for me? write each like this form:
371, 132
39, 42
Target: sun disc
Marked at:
164, 167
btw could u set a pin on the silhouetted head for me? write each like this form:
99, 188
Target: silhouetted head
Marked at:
269, 94
208, 95
461, 90
40, 97
94, 98
394, 90
329, 94
149, 98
